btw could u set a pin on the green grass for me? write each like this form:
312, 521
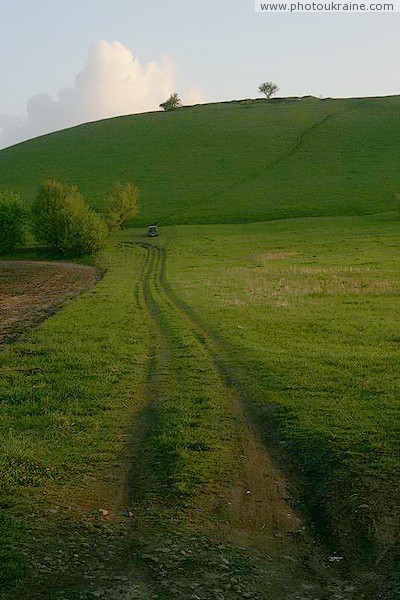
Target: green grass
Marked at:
307, 315
67, 391
111, 379
190, 442
228, 162
299, 288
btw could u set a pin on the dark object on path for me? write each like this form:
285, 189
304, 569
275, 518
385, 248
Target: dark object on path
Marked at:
153, 231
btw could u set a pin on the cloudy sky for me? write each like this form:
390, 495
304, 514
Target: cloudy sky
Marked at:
69, 62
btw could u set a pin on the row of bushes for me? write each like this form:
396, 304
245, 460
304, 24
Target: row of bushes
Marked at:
61, 219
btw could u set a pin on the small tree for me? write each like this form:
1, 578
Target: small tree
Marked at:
122, 205
62, 220
172, 103
268, 88
13, 217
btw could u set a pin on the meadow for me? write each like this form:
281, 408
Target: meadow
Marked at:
222, 407
125, 457
65, 404
306, 314
228, 163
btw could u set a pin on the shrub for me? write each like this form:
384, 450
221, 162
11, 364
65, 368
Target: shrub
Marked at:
62, 220
122, 205
172, 103
13, 215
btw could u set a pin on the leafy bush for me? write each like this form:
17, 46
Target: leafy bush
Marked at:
172, 103
122, 205
62, 220
12, 221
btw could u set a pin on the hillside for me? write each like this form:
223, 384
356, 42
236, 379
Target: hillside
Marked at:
231, 162
222, 407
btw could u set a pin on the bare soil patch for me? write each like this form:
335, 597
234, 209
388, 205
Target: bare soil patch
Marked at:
31, 291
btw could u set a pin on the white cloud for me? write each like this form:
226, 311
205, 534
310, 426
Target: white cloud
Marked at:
194, 95
113, 82
8, 126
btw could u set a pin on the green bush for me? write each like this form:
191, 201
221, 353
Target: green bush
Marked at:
172, 103
63, 221
13, 216
122, 205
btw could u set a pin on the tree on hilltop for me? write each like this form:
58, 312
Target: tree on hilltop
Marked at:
269, 88
172, 103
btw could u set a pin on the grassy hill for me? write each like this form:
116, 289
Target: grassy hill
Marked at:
211, 338
231, 162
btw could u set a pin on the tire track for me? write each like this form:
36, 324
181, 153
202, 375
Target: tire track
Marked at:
258, 466
257, 503
252, 512
141, 477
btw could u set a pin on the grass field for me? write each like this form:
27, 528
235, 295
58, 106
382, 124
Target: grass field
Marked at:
312, 308
229, 162
121, 442
65, 404
218, 416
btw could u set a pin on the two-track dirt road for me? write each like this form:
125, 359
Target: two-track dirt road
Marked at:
211, 512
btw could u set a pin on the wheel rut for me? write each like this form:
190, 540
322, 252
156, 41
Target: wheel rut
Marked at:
256, 504
209, 514
247, 504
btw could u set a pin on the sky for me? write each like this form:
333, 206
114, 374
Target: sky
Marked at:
67, 62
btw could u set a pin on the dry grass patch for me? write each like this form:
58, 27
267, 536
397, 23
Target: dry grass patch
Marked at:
268, 256
285, 283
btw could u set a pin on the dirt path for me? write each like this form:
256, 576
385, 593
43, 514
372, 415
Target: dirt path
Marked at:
287, 154
281, 158
258, 502
255, 512
241, 540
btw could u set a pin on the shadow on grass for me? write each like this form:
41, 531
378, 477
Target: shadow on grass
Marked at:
42, 253
345, 510
13, 564
351, 513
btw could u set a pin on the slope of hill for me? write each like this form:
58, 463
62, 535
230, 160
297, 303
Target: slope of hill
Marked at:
207, 354
230, 162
